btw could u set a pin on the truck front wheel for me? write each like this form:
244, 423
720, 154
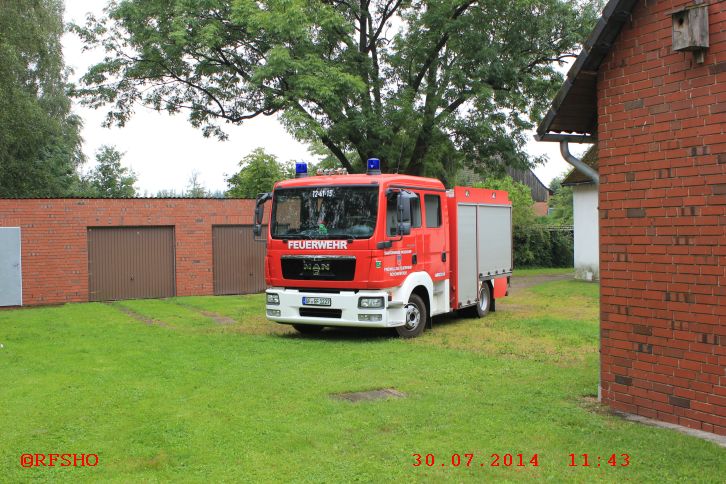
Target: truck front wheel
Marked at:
416, 318
308, 328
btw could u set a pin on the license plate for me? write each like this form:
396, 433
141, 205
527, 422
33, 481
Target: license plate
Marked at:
316, 301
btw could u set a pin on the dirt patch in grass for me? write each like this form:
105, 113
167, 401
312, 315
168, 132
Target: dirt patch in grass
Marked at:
139, 317
522, 282
591, 404
370, 395
216, 317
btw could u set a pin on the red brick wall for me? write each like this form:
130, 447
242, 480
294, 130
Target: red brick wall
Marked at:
55, 246
662, 148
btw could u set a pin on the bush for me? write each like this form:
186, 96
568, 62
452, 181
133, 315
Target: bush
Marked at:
563, 248
535, 246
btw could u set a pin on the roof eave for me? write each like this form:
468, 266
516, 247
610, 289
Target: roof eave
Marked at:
573, 138
595, 48
577, 184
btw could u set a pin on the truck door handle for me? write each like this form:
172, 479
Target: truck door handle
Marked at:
443, 257
414, 259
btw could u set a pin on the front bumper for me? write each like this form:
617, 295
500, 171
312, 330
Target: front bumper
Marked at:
343, 310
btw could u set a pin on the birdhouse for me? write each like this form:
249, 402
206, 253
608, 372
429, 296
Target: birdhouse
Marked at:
690, 30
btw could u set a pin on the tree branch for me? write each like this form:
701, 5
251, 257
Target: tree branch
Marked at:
458, 12
549, 60
384, 18
449, 109
325, 139
337, 152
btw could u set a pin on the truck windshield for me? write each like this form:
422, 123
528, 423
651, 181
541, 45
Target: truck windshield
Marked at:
328, 212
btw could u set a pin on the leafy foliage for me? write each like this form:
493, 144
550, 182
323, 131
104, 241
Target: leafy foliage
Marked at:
422, 84
168, 193
109, 179
195, 189
561, 202
39, 137
258, 173
520, 195
535, 246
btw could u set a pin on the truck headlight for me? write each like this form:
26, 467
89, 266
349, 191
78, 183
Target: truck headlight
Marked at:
371, 302
273, 298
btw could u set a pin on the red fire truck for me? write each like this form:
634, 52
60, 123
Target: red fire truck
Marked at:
382, 250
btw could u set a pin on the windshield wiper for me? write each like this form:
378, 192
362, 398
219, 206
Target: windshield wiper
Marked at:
295, 236
346, 236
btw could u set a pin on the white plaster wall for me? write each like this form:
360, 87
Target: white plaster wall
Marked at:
587, 243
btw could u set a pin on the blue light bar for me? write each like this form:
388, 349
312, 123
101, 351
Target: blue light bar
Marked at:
374, 166
301, 170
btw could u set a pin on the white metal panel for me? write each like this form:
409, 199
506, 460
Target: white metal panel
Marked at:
466, 266
11, 280
440, 303
587, 243
494, 224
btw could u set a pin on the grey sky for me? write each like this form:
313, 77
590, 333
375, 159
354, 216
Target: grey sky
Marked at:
165, 150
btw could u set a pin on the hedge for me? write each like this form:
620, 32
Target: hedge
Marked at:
536, 246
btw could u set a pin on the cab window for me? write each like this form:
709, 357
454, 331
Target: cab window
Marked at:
392, 216
432, 204
416, 212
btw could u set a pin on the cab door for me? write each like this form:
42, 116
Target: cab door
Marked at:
434, 240
405, 255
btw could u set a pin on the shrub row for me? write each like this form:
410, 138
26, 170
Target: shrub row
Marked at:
535, 246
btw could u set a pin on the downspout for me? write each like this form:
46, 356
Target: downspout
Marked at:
595, 177
580, 165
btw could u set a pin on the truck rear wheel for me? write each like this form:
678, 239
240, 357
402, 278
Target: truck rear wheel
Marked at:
308, 328
416, 318
485, 301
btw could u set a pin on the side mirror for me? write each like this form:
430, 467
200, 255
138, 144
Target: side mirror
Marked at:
404, 211
404, 228
262, 198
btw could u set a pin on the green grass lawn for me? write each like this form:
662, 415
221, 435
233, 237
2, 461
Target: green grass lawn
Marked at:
204, 389
543, 271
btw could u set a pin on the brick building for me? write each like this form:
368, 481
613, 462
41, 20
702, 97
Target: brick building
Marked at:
74, 250
659, 119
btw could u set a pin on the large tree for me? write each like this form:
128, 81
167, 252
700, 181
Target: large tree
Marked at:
39, 137
422, 84
258, 173
109, 178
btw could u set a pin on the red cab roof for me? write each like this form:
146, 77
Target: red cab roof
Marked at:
363, 179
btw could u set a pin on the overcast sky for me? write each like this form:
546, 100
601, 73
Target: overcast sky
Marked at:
165, 150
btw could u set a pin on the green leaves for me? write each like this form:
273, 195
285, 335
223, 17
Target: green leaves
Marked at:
258, 173
39, 137
561, 202
427, 86
109, 179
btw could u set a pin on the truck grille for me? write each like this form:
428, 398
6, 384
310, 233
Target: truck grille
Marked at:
320, 268
321, 313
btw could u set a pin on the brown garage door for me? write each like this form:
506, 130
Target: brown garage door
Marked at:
239, 260
130, 263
